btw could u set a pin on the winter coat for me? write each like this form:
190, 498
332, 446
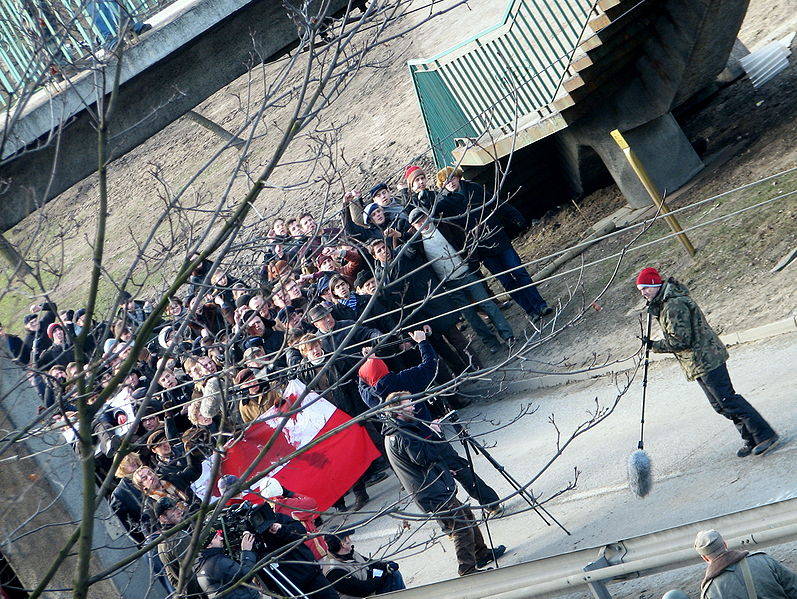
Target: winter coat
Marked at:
414, 288
771, 579
687, 334
297, 563
343, 395
127, 503
353, 575
418, 464
351, 352
216, 572
481, 217
56, 355
377, 314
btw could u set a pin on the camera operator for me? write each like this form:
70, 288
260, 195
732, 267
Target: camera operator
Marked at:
217, 573
284, 538
352, 575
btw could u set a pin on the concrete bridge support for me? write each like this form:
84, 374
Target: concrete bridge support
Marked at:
41, 502
167, 73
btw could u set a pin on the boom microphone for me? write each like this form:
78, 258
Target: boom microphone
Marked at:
640, 474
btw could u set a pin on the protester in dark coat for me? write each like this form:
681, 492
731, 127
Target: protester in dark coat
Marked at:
377, 383
425, 476
465, 203
284, 538
60, 352
410, 277
216, 572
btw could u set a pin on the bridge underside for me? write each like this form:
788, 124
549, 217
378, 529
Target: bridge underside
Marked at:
630, 75
165, 85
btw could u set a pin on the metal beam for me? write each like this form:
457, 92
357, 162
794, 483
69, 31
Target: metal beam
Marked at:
644, 555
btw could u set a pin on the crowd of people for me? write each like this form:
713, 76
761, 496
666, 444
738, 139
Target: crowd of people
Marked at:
356, 309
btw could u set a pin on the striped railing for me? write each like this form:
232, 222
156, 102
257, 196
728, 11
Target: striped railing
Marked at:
45, 40
508, 71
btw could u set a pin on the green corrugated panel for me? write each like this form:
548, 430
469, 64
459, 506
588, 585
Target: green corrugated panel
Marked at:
518, 69
444, 118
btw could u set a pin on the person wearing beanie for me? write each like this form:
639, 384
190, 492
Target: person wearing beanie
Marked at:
733, 574
378, 221
377, 382
379, 194
417, 194
702, 356
61, 351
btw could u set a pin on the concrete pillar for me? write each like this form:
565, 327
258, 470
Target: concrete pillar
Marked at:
41, 502
662, 148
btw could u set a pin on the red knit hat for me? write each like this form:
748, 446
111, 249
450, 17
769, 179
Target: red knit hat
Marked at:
649, 277
372, 370
52, 327
413, 172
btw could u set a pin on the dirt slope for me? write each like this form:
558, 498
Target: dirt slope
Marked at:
384, 131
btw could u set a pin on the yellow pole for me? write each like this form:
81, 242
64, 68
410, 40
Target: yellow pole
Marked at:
652, 191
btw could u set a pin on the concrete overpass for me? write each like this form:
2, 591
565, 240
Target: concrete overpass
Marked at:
557, 77
195, 48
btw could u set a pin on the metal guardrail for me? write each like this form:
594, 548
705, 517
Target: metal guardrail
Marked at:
512, 69
656, 552
46, 40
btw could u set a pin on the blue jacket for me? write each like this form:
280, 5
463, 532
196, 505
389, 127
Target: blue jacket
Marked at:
415, 380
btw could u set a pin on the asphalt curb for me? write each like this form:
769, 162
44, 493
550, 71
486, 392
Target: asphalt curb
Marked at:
548, 380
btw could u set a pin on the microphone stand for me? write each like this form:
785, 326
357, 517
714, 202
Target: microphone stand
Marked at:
469, 443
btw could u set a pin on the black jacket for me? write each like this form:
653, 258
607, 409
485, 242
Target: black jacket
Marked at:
481, 218
415, 380
297, 563
60, 355
418, 464
351, 352
216, 572
410, 276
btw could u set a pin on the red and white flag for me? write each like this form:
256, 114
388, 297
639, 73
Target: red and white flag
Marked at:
324, 471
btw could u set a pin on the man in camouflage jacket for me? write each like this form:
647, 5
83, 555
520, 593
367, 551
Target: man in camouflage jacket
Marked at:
702, 356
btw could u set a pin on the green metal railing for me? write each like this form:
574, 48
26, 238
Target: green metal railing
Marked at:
510, 70
44, 40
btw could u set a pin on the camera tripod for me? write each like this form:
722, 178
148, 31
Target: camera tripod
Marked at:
469, 443
280, 580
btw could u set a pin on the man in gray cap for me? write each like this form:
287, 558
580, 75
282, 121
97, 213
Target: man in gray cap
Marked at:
733, 574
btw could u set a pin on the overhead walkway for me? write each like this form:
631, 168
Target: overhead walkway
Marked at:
194, 49
566, 73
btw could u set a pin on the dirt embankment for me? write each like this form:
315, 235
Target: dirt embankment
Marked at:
384, 131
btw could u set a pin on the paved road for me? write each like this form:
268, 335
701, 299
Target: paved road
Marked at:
696, 472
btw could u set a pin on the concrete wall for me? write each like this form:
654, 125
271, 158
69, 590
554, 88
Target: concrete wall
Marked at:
41, 502
167, 73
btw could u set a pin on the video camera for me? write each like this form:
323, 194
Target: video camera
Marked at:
247, 517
